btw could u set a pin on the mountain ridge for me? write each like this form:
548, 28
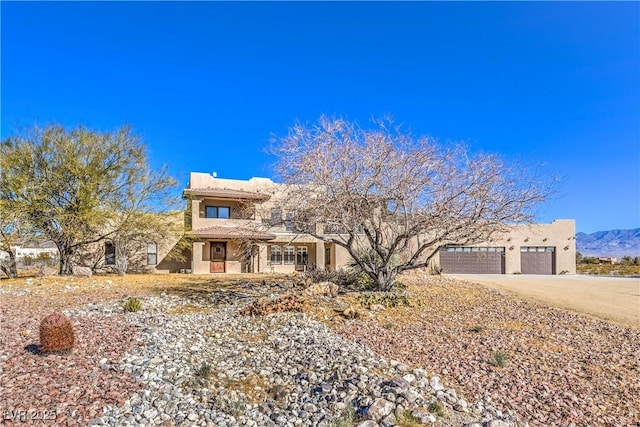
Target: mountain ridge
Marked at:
614, 243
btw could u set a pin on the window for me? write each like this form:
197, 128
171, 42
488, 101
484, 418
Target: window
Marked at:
276, 254
152, 253
109, 253
289, 224
221, 212
289, 255
537, 249
276, 216
302, 257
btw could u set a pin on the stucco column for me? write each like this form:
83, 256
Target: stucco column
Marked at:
196, 257
195, 213
320, 255
262, 259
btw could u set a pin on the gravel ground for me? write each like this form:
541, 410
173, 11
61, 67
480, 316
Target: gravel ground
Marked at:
192, 360
562, 368
188, 359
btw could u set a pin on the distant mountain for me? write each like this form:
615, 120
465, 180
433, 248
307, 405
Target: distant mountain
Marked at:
616, 243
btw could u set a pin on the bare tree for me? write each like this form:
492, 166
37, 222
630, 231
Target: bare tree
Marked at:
392, 200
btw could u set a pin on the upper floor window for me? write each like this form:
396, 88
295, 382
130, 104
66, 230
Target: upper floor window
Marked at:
276, 216
221, 212
289, 223
152, 253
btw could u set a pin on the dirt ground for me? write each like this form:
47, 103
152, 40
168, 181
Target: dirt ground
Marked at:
611, 298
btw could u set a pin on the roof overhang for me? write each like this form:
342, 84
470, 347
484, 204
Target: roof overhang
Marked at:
237, 233
224, 193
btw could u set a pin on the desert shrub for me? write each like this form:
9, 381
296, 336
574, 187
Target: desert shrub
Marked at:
348, 418
56, 333
406, 419
386, 299
436, 407
286, 302
499, 359
202, 375
132, 305
204, 371
342, 278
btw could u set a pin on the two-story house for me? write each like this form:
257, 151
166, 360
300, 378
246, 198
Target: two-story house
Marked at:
239, 227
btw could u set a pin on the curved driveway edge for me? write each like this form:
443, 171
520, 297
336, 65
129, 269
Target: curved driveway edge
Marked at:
611, 298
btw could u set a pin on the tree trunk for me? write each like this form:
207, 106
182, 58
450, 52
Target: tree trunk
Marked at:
384, 279
122, 259
66, 254
9, 267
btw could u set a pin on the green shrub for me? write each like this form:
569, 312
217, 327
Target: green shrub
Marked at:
406, 419
132, 305
202, 375
386, 299
436, 407
204, 371
348, 418
499, 359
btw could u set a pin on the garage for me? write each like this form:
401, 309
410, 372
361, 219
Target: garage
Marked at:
472, 260
538, 260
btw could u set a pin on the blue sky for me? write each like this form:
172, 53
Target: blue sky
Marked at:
206, 83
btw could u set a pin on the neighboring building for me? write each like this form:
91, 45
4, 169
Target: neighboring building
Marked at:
31, 252
238, 227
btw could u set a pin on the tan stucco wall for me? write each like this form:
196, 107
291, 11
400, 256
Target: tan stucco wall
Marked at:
93, 255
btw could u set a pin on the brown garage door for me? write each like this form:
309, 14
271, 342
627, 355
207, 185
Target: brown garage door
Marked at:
472, 260
538, 260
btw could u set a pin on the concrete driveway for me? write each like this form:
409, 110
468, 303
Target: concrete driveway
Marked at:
611, 298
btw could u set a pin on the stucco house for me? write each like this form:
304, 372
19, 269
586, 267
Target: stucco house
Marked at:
239, 227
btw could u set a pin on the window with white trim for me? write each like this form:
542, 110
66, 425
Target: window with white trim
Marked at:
301, 255
289, 255
276, 254
152, 253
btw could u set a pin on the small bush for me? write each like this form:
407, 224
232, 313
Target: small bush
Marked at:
56, 333
406, 419
132, 305
499, 359
204, 371
202, 375
436, 407
348, 418
343, 278
386, 299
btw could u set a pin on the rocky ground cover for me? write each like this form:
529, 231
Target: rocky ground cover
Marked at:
188, 357
549, 366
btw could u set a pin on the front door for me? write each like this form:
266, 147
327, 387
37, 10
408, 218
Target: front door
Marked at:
218, 257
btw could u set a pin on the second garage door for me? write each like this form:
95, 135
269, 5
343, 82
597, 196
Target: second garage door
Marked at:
538, 260
472, 260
